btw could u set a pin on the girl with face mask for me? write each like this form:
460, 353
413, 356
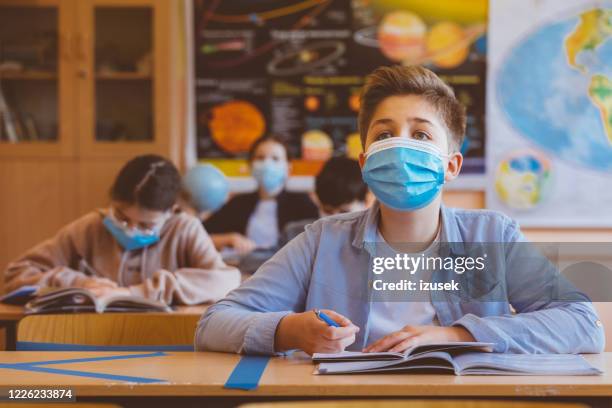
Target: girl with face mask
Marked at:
140, 245
255, 220
411, 127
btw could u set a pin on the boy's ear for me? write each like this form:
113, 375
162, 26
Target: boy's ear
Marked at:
361, 160
455, 162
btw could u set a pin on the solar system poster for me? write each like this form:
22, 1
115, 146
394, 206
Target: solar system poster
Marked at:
295, 69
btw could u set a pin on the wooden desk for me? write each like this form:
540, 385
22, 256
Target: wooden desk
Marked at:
202, 375
11, 315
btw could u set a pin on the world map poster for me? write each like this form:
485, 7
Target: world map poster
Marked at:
295, 69
549, 112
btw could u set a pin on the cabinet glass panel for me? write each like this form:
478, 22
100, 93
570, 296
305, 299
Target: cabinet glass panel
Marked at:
124, 74
28, 74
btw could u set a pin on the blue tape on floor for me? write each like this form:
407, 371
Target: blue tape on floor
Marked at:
247, 373
39, 346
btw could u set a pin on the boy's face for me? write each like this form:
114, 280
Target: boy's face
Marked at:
412, 117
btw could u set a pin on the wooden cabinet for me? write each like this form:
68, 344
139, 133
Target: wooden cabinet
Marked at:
84, 86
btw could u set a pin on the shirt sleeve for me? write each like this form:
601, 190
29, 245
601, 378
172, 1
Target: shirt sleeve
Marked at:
47, 264
206, 278
552, 316
246, 320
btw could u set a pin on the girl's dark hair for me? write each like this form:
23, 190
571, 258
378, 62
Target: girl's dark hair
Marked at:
267, 138
149, 181
340, 182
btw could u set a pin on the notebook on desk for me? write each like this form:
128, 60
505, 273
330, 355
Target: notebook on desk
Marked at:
459, 358
19, 296
77, 300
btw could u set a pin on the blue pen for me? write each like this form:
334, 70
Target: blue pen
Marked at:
326, 318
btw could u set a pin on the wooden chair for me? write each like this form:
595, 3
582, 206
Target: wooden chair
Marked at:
416, 404
112, 332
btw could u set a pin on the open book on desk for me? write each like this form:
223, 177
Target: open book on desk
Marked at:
77, 300
460, 358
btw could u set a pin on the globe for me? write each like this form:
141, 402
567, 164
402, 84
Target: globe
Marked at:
522, 179
208, 187
555, 88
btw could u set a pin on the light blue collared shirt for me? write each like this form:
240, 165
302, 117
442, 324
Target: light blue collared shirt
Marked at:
328, 266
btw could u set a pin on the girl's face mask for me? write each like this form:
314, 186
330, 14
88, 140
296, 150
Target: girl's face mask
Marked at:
270, 174
132, 238
404, 174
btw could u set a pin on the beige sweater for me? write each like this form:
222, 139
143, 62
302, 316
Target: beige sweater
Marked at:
183, 267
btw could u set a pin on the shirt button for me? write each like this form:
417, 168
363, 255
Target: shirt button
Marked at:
599, 323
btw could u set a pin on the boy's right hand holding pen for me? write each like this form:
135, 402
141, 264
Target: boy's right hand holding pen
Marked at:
315, 331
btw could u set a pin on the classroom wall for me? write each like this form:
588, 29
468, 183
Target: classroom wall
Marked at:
476, 199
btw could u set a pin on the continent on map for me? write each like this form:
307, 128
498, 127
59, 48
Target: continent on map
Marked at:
600, 92
594, 28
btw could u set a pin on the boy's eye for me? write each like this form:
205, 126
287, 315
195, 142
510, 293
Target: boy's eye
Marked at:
383, 136
418, 135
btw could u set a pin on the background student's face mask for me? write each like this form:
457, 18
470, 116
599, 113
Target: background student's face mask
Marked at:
131, 238
270, 174
404, 174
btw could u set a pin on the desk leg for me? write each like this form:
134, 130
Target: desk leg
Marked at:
10, 340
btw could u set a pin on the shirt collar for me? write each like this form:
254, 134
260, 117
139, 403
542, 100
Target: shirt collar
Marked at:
449, 235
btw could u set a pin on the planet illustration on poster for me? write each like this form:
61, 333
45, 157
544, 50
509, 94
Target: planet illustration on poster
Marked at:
354, 102
523, 179
353, 146
308, 58
316, 145
312, 103
235, 125
403, 37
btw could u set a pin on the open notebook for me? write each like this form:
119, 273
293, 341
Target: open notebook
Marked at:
77, 300
460, 358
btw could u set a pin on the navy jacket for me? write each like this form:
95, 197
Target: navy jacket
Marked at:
234, 215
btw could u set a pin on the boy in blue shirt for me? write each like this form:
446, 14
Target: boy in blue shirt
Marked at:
411, 127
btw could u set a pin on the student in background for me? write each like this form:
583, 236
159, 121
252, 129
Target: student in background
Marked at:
411, 128
339, 189
141, 245
255, 220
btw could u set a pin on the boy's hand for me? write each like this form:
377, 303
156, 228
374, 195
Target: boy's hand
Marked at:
409, 336
305, 331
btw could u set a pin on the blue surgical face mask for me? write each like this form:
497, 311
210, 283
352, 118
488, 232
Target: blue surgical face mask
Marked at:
131, 238
404, 174
270, 174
